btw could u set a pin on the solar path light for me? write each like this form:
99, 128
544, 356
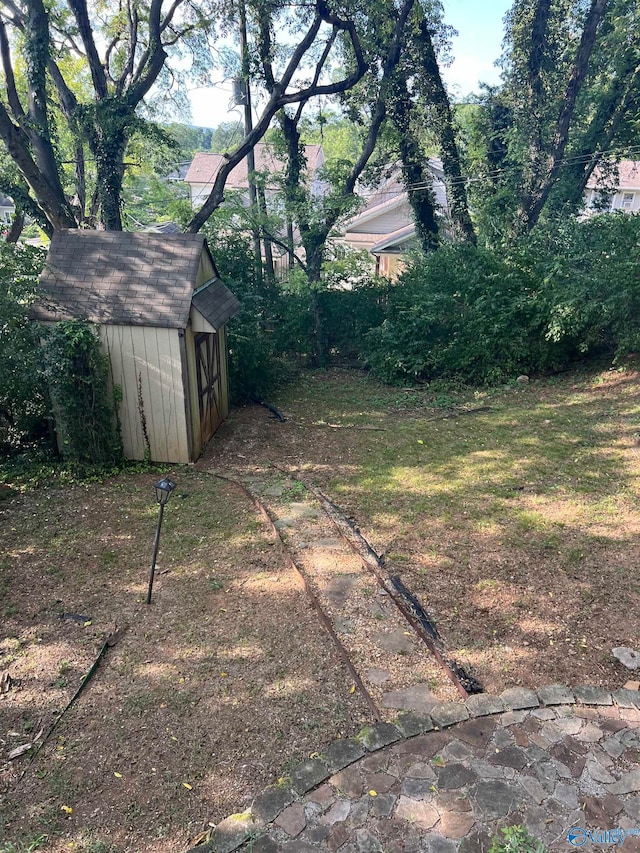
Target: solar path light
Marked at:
163, 489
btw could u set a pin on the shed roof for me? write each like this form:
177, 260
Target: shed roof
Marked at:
215, 302
123, 278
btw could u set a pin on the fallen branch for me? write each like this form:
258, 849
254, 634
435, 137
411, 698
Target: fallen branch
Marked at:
110, 641
276, 412
346, 426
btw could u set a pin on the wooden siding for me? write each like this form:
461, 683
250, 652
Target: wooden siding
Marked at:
205, 270
146, 364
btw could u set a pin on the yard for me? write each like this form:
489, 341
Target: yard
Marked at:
511, 514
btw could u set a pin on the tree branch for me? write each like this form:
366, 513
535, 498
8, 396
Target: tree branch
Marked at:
98, 75
12, 92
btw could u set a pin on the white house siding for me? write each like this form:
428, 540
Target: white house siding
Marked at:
386, 221
146, 363
627, 200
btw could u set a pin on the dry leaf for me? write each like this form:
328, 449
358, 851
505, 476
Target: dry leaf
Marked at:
187, 786
19, 750
352, 689
438, 761
373, 793
224, 674
201, 838
118, 775
66, 809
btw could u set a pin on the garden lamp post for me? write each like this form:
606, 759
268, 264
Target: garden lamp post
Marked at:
163, 489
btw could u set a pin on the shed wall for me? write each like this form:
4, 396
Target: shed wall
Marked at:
146, 364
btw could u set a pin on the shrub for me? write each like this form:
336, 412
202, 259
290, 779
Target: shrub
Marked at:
23, 398
78, 377
484, 316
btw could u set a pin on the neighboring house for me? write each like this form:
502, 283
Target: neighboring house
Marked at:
608, 191
204, 168
385, 226
161, 312
7, 209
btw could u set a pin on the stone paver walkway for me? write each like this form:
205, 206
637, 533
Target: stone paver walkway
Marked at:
431, 784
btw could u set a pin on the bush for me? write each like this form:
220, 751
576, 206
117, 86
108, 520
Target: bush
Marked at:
254, 366
78, 377
23, 398
483, 316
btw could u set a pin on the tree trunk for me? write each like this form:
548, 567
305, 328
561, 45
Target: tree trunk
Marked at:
438, 98
417, 179
315, 252
545, 175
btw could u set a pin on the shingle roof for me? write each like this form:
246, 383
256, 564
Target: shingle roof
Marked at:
119, 277
216, 303
628, 176
204, 166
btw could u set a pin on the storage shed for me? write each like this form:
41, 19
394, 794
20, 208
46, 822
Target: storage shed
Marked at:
161, 309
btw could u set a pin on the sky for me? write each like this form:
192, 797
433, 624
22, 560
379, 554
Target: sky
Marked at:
475, 50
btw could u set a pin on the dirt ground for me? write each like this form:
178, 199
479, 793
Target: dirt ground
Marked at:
222, 682
513, 517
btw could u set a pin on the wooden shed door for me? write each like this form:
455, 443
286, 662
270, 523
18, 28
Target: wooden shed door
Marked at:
209, 384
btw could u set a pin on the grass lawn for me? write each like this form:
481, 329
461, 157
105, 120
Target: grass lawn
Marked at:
516, 525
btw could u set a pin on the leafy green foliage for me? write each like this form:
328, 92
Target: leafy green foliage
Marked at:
22, 390
254, 365
78, 374
486, 315
516, 839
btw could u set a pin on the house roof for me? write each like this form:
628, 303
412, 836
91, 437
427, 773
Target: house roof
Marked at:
204, 166
396, 240
628, 172
122, 278
391, 195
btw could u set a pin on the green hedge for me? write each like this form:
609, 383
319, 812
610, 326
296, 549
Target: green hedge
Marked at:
485, 316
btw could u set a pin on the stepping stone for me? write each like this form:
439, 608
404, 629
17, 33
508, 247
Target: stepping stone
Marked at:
378, 676
399, 641
302, 510
483, 704
495, 799
589, 695
292, 820
339, 588
418, 697
328, 542
556, 694
341, 753
519, 698
417, 812
627, 657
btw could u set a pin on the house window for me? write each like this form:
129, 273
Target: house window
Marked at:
627, 201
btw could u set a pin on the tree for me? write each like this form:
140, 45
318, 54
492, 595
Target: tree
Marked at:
571, 82
123, 52
311, 21
317, 216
